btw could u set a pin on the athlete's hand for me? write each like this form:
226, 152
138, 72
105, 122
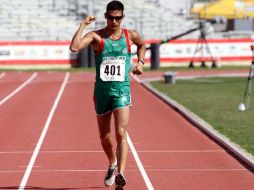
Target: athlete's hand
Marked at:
89, 20
138, 69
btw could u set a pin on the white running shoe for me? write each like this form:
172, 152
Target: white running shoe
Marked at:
110, 175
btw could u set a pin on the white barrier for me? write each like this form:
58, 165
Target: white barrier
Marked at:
221, 50
55, 52
36, 53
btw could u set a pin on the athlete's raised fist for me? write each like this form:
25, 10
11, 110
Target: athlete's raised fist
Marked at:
89, 20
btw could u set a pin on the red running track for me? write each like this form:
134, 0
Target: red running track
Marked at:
49, 140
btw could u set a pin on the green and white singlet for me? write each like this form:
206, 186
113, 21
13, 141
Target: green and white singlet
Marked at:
112, 73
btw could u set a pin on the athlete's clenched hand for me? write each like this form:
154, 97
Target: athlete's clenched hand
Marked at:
89, 20
138, 69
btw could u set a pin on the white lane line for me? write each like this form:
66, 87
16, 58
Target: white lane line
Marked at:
181, 151
135, 154
135, 170
100, 151
52, 151
2, 75
18, 89
154, 170
198, 170
140, 165
43, 134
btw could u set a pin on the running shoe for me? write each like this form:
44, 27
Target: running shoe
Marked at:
120, 182
110, 176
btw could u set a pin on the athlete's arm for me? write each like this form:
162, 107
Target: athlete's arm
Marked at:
141, 50
78, 42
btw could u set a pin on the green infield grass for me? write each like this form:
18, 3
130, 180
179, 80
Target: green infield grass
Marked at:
216, 101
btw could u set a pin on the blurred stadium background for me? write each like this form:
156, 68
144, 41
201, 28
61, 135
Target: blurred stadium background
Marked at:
39, 31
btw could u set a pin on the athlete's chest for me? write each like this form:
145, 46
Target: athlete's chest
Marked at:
115, 47
115, 58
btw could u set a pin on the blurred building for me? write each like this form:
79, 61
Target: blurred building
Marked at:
59, 19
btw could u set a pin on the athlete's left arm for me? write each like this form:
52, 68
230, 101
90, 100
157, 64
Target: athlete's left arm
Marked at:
141, 50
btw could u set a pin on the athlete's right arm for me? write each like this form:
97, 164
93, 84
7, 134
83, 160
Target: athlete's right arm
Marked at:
78, 42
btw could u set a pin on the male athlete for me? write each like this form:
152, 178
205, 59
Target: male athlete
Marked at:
112, 87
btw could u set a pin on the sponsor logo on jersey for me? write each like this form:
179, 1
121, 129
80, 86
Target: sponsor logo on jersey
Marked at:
125, 51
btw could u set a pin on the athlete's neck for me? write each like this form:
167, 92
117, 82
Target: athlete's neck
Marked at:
115, 34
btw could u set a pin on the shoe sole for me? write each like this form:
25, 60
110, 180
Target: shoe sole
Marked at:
109, 185
119, 187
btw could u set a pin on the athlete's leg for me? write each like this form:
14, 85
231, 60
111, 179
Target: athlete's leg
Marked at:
103, 121
121, 123
105, 136
106, 142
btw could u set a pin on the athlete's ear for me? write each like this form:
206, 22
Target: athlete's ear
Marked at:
105, 15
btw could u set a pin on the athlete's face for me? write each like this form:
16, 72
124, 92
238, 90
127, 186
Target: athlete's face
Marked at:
114, 19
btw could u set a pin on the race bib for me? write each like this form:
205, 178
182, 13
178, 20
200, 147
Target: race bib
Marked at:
113, 69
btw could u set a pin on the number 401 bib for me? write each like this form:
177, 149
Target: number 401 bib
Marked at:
113, 69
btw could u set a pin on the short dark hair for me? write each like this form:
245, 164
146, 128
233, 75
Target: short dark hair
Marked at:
115, 5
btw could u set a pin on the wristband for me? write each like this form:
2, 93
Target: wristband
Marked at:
142, 61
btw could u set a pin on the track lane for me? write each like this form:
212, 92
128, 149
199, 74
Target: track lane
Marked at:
18, 89
19, 128
2, 75
71, 155
10, 82
43, 135
174, 153
198, 73
183, 158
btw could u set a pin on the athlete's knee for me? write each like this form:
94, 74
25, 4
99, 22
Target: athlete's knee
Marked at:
105, 138
121, 136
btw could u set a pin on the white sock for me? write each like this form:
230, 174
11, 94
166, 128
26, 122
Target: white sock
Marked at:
113, 165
